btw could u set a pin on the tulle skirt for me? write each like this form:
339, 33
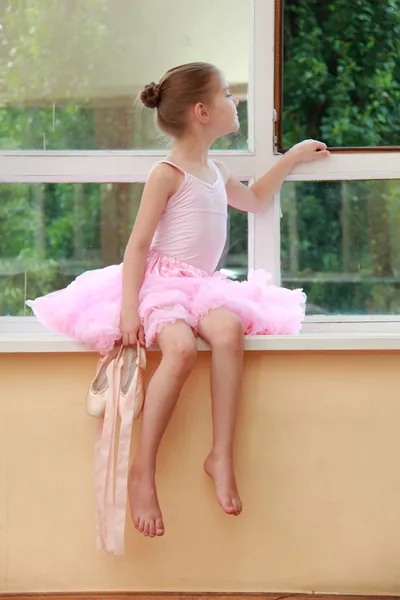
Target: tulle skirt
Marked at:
88, 310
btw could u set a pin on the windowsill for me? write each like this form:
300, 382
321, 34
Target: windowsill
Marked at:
305, 342
320, 333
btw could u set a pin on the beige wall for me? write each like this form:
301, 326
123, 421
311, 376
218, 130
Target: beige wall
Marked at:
318, 463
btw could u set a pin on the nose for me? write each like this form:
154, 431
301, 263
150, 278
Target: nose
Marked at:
236, 101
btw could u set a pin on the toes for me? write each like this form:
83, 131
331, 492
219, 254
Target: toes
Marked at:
230, 509
237, 504
232, 505
228, 506
149, 528
152, 528
141, 525
159, 527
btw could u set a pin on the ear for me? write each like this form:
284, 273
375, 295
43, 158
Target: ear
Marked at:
201, 113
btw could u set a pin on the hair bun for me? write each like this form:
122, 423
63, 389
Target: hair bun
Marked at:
151, 96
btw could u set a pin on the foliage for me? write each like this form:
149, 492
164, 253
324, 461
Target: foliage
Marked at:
341, 82
341, 72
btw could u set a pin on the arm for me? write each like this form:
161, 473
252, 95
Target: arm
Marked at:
251, 199
162, 183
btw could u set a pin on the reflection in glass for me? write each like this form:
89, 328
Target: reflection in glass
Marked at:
71, 70
340, 241
50, 234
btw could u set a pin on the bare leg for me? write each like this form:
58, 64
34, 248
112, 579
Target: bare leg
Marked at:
178, 347
224, 332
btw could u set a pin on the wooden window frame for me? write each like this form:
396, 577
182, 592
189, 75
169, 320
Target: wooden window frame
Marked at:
278, 96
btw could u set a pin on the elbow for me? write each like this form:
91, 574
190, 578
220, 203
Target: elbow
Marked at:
254, 203
136, 248
256, 206
259, 203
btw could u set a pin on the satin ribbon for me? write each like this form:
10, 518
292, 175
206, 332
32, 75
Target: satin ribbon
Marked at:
110, 482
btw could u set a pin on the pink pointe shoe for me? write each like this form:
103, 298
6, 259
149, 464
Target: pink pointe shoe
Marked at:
97, 394
133, 364
131, 391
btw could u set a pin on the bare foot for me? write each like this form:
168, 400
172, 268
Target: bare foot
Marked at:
145, 509
221, 471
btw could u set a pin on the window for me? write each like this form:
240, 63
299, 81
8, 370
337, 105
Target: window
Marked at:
72, 143
50, 234
340, 73
234, 261
71, 70
337, 78
340, 242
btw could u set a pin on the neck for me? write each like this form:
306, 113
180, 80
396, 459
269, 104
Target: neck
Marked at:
192, 150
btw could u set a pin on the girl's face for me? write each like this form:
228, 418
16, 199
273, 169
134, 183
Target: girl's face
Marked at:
223, 115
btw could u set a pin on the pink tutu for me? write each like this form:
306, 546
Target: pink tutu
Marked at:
88, 310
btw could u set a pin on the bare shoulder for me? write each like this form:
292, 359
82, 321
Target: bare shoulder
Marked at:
224, 170
166, 177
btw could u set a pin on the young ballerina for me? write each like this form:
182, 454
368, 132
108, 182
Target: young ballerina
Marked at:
167, 290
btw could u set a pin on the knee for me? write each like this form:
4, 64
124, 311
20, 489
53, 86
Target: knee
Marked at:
228, 334
181, 354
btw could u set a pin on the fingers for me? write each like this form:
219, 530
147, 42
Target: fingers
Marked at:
141, 336
131, 329
129, 338
319, 146
320, 149
132, 338
309, 150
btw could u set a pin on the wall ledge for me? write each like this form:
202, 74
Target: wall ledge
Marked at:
48, 342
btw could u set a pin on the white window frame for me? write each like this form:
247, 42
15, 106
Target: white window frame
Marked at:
264, 236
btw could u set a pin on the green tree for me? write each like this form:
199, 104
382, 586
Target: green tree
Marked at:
341, 76
341, 82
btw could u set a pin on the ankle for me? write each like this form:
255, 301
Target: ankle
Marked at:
140, 468
221, 454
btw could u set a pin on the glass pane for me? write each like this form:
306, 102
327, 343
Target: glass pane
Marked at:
341, 72
50, 234
71, 70
234, 260
340, 242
